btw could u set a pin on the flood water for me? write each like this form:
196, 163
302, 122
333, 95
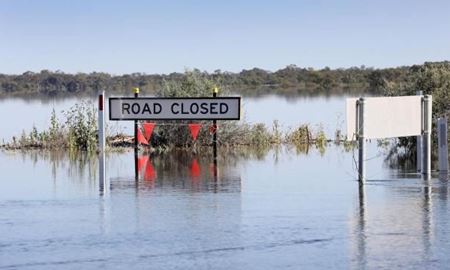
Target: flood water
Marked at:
278, 208
265, 209
18, 115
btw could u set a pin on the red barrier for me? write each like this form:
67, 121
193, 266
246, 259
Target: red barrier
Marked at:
148, 130
195, 129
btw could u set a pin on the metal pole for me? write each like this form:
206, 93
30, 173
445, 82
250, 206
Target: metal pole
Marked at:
419, 145
101, 122
136, 145
101, 142
361, 140
427, 112
215, 91
442, 131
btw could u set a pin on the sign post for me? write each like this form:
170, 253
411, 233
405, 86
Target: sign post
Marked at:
215, 91
361, 140
389, 117
101, 142
427, 109
136, 143
189, 108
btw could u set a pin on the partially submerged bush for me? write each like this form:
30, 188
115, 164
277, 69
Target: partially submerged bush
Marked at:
320, 140
81, 126
79, 131
259, 135
301, 135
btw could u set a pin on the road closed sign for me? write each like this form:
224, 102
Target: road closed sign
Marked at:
223, 108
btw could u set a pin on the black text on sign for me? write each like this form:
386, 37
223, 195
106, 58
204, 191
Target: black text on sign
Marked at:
225, 108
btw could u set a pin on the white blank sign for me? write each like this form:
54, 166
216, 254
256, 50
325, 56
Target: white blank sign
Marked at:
387, 117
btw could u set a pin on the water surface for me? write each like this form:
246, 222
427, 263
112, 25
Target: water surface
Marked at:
276, 208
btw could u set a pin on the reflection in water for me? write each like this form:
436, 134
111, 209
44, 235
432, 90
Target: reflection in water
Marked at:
76, 165
102, 173
400, 224
197, 170
177, 168
435, 212
427, 214
185, 170
360, 231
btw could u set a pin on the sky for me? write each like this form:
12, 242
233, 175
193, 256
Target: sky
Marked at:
167, 36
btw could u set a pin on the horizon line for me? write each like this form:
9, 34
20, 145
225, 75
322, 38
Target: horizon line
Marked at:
187, 69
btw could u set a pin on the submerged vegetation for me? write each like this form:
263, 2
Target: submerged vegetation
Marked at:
78, 129
78, 132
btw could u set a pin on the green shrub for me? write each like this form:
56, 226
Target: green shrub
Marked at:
301, 135
81, 126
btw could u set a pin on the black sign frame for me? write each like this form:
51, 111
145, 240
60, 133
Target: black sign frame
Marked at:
173, 98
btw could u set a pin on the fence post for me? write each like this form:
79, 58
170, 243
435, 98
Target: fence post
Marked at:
419, 145
442, 131
360, 104
427, 116
101, 141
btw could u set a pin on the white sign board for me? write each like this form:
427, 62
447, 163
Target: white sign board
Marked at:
387, 117
223, 108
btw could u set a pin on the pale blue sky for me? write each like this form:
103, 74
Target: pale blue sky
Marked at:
168, 36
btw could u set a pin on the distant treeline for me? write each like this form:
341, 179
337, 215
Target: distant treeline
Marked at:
291, 80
